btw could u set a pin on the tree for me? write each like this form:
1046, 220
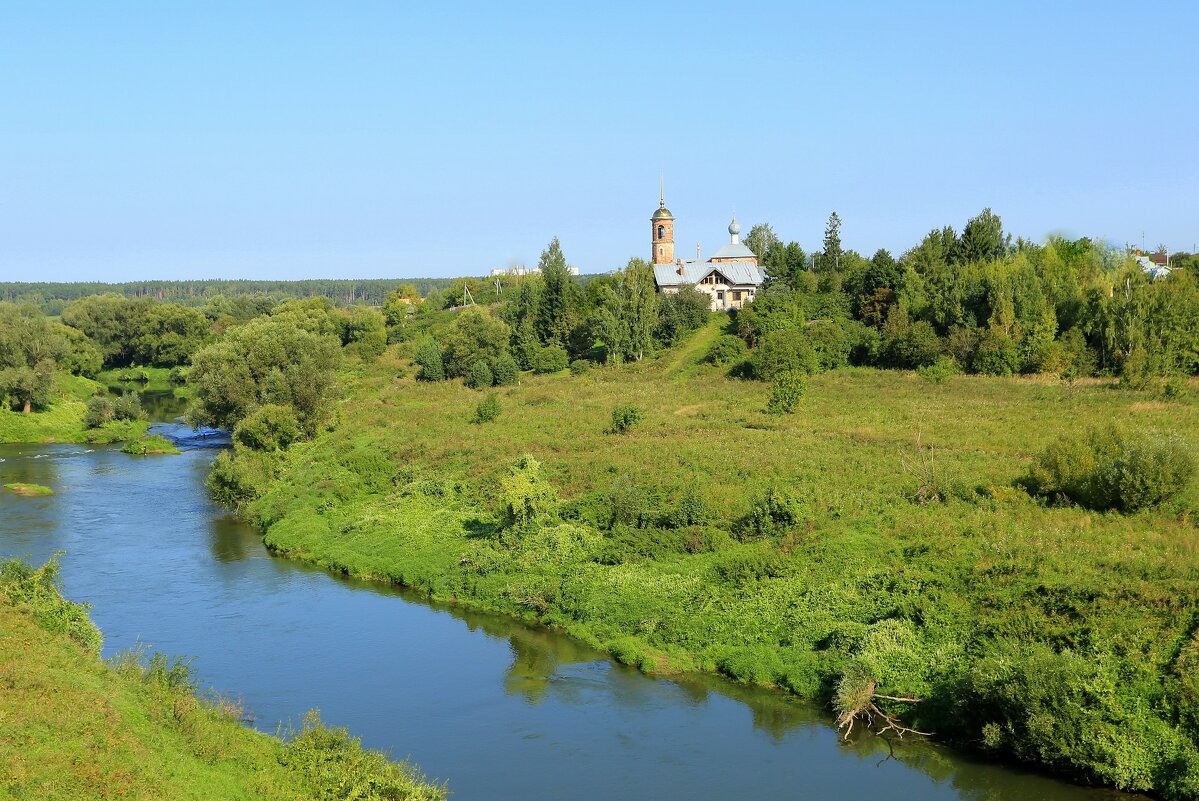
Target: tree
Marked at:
475, 336
629, 312
556, 313
265, 361
761, 239
982, 239
29, 351
830, 259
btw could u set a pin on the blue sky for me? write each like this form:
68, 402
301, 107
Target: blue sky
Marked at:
379, 139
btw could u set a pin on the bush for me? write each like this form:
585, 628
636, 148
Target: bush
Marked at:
786, 392
268, 428
551, 360
580, 366
428, 358
488, 409
773, 513
1114, 468
625, 417
105, 408
782, 351
478, 376
727, 349
528, 498
940, 371
505, 370
178, 376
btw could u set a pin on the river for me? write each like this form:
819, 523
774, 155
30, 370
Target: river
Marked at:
500, 710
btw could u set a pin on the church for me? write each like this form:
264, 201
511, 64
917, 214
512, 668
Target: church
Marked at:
731, 277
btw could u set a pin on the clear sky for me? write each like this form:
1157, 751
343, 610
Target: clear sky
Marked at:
380, 139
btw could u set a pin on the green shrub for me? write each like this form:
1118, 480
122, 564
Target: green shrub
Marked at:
478, 376
268, 428
178, 376
551, 359
336, 766
625, 417
783, 351
773, 513
627, 503
428, 358
1175, 388
786, 392
727, 349
104, 409
37, 589
580, 366
488, 409
505, 370
940, 371
1114, 468
527, 497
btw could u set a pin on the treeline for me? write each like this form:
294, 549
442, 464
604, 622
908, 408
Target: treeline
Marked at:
52, 298
551, 320
975, 302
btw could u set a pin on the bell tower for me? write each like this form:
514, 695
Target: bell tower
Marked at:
662, 231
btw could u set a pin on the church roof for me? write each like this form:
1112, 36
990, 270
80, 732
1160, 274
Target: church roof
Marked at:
662, 213
734, 250
739, 273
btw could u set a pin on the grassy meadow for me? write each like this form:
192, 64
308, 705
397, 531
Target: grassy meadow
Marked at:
77, 728
908, 554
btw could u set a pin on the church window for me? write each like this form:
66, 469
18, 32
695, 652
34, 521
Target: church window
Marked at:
661, 231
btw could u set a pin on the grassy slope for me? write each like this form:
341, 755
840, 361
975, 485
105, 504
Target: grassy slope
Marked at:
404, 489
72, 727
63, 420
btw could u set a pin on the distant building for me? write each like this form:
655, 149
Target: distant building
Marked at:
1154, 265
731, 276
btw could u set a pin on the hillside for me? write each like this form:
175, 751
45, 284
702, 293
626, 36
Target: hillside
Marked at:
878, 540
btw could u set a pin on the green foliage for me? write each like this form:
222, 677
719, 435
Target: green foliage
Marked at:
528, 498
138, 330
1111, 467
36, 589
270, 427
103, 409
624, 417
786, 392
365, 333
783, 351
556, 313
428, 358
505, 370
269, 360
336, 766
478, 376
236, 480
940, 371
475, 336
178, 376
145, 446
775, 511
488, 409
680, 313
580, 366
551, 359
726, 349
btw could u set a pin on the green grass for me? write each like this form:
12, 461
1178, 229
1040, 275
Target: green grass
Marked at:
28, 490
63, 421
77, 728
149, 446
1043, 633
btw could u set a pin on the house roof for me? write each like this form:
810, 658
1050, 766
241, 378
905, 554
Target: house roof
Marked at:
1153, 268
738, 273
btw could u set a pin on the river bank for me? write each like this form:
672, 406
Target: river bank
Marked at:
134, 728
